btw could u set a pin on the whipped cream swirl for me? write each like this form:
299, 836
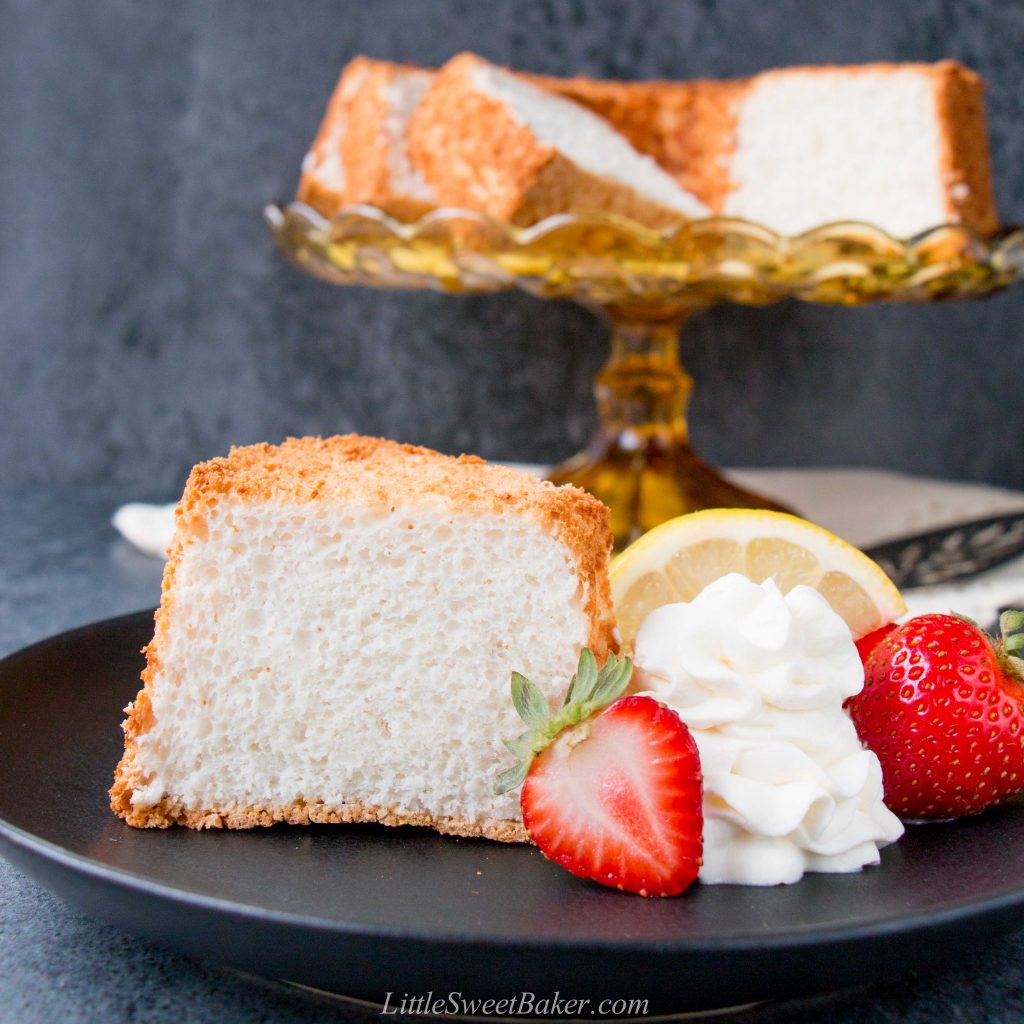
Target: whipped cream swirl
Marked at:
760, 679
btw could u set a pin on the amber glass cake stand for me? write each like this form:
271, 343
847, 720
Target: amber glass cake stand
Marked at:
648, 282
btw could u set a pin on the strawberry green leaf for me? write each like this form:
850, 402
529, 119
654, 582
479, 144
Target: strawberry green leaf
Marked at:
589, 691
1013, 643
529, 702
612, 680
1011, 622
511, 778
585, 679
522, 745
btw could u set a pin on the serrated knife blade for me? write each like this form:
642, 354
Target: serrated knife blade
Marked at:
950, 553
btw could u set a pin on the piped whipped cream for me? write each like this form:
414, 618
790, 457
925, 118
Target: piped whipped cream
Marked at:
760, 678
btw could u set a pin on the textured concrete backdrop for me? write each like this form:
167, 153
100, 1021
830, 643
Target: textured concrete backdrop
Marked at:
146, 320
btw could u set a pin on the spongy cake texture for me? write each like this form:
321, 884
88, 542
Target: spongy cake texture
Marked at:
359, 154
492, 140
898, 145
338, 625
901, 146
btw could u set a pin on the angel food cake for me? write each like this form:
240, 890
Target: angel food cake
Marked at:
902, 146
360, 153
489, 139
338, 625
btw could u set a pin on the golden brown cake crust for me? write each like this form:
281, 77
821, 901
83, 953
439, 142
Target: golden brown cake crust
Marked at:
365, 149
689, 128
352, 130
168, 813
966, 167
372, 472
469, 148
476, 155
319, 188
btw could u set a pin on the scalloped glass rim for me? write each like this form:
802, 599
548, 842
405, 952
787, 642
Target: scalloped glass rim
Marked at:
606, 259
527, 235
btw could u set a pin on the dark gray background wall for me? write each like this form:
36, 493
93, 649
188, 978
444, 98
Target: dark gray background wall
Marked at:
146, 320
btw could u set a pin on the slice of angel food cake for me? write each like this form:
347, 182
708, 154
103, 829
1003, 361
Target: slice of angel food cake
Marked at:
339, 622
359, 154
489, 139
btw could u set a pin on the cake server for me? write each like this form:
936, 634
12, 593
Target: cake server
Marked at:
952, 552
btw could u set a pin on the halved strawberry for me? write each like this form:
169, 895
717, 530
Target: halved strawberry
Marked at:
614, 794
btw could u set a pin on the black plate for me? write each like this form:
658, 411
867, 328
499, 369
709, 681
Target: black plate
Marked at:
367, 910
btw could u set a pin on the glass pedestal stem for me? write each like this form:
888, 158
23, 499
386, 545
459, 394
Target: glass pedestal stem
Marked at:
640, 463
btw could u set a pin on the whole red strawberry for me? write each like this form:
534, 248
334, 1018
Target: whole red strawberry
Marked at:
943, 708
869, 641
613, 794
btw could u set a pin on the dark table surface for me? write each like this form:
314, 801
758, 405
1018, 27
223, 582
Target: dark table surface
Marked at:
61, 565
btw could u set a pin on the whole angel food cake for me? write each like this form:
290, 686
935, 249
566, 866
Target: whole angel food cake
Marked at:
336, 634
901, 146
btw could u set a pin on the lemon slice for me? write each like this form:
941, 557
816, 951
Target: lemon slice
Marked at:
677, 560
